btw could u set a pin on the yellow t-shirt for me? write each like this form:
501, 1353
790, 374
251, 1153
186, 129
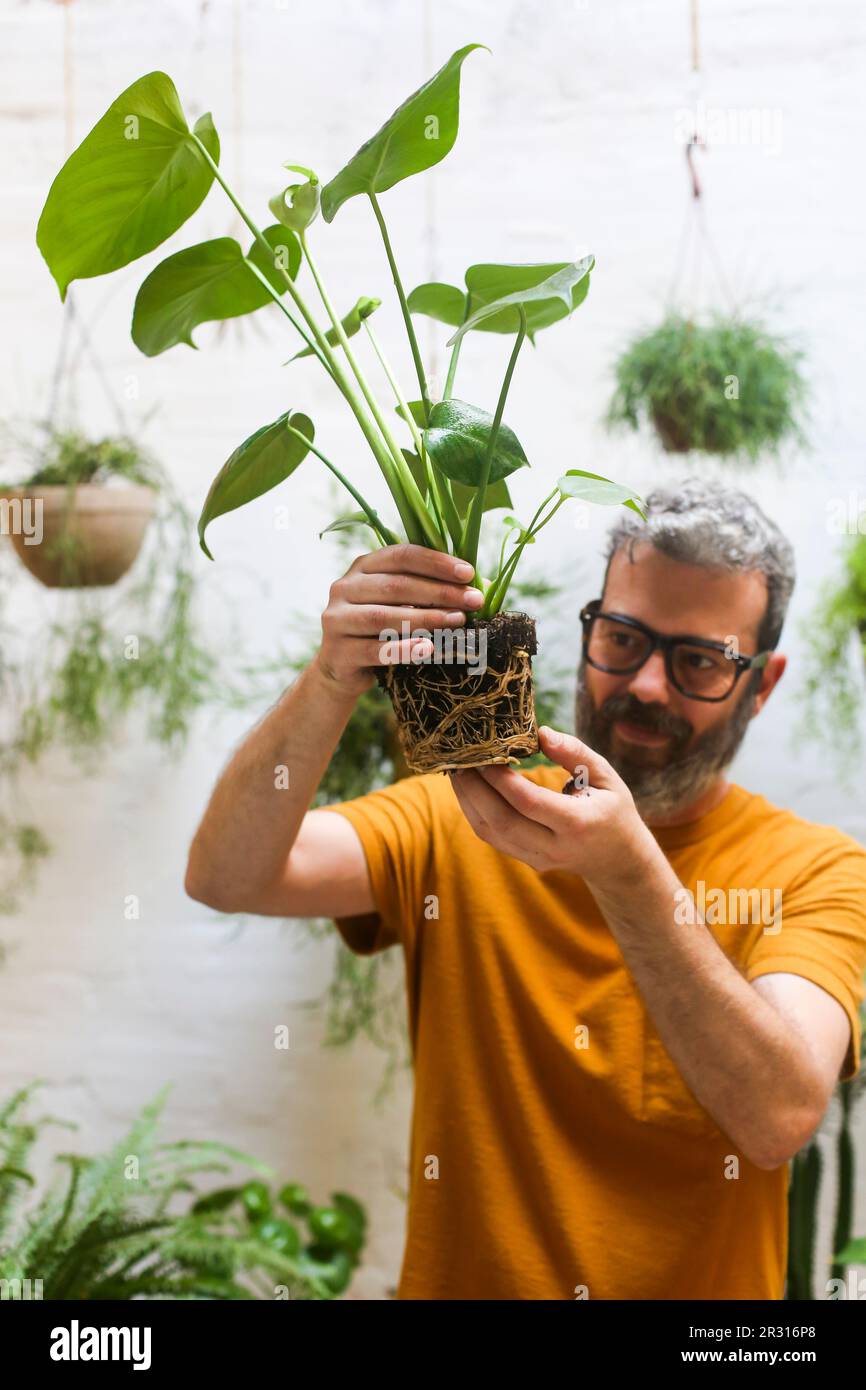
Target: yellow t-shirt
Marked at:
545, 1160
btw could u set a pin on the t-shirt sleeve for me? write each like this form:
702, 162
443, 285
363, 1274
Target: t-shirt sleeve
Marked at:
395, 827
823, 934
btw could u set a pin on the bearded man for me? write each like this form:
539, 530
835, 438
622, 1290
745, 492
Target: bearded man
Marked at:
611, 1073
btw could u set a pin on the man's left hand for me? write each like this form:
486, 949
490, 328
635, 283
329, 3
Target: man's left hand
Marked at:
596, 832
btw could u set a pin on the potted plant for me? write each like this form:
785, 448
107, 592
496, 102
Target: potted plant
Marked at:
93, 500
110, 1233
455, 458
725, 387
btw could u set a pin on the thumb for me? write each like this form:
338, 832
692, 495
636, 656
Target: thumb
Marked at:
571, 753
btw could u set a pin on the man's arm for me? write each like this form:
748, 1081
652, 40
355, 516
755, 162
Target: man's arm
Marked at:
761, 1058
258, 847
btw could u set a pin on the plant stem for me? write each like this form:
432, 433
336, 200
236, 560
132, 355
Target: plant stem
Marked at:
407, 317
377, 445
385, 535
455, 353
280, 303
469, 550
440, 487
404, 474
495, 596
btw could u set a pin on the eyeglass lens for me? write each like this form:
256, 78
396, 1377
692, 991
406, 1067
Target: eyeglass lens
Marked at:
697, 670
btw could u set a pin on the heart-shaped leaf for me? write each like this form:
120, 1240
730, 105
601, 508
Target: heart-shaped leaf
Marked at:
208, 282
592, 487
496, 494
457, 441
351, 325
445, 303
418, 135
257, 465
546, 293
128, 186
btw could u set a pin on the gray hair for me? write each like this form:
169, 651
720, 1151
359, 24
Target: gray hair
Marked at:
700, 523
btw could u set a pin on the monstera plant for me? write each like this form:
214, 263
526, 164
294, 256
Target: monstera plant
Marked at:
137, 177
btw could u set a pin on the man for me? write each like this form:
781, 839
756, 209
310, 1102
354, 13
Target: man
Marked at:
628, 1006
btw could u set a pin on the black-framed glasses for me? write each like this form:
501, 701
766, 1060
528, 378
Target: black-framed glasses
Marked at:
698, 668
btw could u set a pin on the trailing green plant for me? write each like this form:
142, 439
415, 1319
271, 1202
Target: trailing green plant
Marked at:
459, 455
834, 683
102, 653
806, 1179
726, 387
112, 1228
69, 457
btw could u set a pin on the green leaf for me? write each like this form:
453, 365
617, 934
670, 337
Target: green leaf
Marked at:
592, 487
348, 523
546, 293
257, 465
351, 325
511, 523
418, 135
445, 303
128, 186
497, 495
298, 205
208, 282
854, 1253
457, 441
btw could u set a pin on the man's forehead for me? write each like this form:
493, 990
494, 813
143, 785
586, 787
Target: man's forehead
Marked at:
673, 596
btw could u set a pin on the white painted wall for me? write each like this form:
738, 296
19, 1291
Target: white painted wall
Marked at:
568, 138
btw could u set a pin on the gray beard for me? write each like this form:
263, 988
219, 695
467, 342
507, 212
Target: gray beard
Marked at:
693, 764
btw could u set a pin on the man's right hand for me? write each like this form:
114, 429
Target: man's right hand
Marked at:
382, 590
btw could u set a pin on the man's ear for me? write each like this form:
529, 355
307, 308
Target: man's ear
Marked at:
770, 676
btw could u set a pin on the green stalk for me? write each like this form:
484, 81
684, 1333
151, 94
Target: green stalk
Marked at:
413, 494
469, 549
377, 445
455, 353
499, 587
385, 535
281, 304
407, 317
440, 489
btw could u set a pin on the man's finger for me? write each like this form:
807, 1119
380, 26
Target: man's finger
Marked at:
571, 753
487, 811
415, 559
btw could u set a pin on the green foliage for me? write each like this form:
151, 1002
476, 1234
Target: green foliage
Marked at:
833, 690
140, 173
113, 1229
727, 387
420, 133
209, 282
257, 465
128, 186
102, 654
69, 457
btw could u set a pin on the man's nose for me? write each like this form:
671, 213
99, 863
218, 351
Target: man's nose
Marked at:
650, 683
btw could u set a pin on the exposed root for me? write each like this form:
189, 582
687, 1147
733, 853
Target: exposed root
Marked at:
448, 719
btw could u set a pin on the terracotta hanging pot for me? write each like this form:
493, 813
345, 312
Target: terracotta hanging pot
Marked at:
90, 534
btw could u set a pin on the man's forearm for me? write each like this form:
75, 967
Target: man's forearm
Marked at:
736, 1053
255, 812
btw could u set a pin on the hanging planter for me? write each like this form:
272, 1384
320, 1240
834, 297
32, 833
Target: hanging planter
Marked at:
724, 387
87, 508
834, 684
449, 470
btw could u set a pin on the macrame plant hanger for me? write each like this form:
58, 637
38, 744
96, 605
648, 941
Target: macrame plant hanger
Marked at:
696, 248
71, 317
